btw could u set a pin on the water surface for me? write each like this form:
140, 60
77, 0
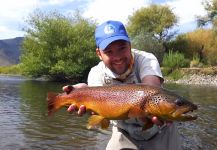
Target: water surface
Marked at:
24, 123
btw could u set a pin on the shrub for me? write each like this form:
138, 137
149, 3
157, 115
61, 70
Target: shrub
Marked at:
201, 42
146, 42
166, 71
176, 74
196, 62
212, 56
14, 69
174, 60
60, 47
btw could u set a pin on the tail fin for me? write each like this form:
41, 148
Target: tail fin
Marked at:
51, 98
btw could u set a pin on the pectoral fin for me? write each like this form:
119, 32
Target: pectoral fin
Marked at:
96, 120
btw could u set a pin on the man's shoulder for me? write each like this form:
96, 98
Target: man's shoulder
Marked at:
95, 75
142, 56
141, 53
99, 66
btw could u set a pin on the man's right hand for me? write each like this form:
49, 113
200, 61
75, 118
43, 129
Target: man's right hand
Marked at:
73, 108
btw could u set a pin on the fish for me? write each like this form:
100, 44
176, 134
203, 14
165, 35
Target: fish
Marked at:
125, 101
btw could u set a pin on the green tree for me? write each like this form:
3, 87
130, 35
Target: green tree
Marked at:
155, 20
211, 16
58, 46
147, 43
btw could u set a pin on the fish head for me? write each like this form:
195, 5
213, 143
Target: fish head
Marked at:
171, 107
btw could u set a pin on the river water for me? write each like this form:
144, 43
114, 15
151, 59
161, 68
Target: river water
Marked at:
24, 123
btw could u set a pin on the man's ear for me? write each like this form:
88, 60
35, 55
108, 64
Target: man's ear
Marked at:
98, 53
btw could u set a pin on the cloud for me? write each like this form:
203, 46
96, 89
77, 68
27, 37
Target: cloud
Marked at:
7, 33
187, 10
103, 10
13, 12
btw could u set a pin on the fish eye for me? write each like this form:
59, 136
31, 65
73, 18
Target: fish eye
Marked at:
178, 102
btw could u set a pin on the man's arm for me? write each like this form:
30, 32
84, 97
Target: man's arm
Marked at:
152, 80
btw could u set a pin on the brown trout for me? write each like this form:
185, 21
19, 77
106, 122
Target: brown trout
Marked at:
120, 102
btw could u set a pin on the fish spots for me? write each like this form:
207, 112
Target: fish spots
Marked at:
154, 103
151, 90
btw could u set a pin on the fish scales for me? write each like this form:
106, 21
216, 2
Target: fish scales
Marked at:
110, 101
120, 102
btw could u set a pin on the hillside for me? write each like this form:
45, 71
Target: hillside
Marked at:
10, 51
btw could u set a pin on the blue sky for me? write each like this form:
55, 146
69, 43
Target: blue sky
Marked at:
13, 12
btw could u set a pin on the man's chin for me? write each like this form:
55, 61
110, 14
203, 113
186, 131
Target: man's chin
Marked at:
118, 72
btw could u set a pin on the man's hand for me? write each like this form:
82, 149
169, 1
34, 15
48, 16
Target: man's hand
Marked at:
72, 108
149, 122
81, 111
69, 88
158, 122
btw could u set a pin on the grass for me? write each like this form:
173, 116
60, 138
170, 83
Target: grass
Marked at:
13, 70
176, 75
174, 60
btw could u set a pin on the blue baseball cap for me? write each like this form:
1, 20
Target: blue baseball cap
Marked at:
109, 32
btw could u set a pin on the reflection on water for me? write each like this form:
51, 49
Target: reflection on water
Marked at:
24, 123
201, 133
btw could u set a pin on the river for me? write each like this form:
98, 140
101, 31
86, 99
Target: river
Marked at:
24, 123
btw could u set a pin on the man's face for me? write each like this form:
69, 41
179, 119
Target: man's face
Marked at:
116, 56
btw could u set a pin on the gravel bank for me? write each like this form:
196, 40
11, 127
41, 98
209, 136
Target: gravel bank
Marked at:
196, 79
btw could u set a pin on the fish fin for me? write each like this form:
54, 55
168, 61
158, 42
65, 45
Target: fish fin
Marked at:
96, 120
105, 123
51, 98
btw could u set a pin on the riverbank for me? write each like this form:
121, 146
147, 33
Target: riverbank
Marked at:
194, 76
21, 77
196, 79
197, 76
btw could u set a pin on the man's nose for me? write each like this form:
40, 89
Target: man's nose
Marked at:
117, 55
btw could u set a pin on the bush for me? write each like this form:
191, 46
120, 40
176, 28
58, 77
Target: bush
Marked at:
176, 74
212, 56
201, 42
60, 47
146, 42
166, 71
14, 69
196, 62
175, 60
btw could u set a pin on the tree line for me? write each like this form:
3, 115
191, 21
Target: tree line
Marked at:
63, 47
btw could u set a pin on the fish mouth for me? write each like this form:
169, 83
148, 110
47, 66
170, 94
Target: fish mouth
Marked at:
184, 114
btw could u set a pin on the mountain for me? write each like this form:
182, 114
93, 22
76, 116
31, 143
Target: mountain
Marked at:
10, 51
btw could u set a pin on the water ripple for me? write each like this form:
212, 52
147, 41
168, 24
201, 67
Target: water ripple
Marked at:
25, 125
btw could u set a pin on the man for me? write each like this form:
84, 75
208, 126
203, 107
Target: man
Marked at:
121, 64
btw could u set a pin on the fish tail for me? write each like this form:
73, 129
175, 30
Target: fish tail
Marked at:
51, 102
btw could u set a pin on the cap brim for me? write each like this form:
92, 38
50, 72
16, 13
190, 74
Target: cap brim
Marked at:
108, 41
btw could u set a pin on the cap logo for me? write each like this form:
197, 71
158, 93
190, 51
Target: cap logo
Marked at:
109, 29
